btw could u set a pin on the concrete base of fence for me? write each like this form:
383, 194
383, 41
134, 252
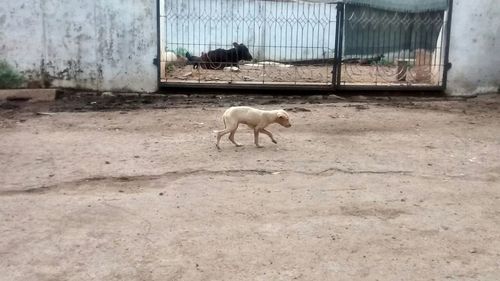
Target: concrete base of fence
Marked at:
32, 95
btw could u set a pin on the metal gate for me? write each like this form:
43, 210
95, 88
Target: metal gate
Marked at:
300, 44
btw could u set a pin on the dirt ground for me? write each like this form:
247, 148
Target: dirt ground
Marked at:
267, 73
351, 74
357, 189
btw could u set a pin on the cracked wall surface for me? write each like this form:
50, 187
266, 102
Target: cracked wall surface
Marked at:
110, 45
98, 45
474, 46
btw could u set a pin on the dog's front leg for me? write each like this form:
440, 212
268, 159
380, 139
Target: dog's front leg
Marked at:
256, 137
264, 131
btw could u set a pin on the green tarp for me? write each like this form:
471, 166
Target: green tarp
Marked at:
411, 6
370, 31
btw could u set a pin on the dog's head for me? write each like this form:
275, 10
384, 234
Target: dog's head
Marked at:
283, 118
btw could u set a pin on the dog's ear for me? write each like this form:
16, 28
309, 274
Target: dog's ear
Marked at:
282, 114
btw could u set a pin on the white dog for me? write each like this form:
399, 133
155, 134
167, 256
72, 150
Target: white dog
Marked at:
256, 119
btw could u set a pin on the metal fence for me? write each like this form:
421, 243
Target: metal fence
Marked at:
392, 48
292, 43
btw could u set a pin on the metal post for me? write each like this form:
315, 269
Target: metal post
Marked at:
447, 64
340, 42
337, 62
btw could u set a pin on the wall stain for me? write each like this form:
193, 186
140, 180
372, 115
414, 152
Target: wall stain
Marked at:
3, 20
94, 48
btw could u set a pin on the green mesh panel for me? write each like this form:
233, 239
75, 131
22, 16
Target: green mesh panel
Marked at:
371, 32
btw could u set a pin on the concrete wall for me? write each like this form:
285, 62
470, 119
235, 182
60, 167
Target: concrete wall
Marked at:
91, 44
110, 44
474, 47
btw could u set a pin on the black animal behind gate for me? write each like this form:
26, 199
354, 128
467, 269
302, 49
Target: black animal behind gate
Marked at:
220, 58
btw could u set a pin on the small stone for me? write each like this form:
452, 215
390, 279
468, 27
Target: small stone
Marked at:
335, 97
360, 97
161, 193
177, 96
107, 162
315, 97
45, 113
231, 68
107, 94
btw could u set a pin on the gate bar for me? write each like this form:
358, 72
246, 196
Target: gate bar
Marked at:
340, 41
447, 64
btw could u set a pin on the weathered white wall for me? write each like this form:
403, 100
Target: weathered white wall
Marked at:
474, 47
91, 44
110, 44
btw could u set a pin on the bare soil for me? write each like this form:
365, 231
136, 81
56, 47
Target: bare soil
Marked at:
351, 74
360, 189
311, 74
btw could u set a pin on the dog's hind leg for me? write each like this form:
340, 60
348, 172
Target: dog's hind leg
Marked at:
229, 128
220, 134
231, 137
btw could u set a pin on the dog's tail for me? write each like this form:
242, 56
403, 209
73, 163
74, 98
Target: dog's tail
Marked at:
225, 126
